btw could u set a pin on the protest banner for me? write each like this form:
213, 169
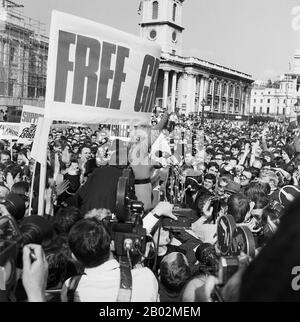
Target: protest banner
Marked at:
29, 119
9, 131
98, 74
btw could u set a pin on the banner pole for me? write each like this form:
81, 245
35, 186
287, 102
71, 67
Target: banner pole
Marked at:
31, 187
42, 187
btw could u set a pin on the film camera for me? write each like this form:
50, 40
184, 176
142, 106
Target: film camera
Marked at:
232, 240
126, 228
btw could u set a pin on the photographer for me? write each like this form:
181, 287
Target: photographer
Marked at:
90, 243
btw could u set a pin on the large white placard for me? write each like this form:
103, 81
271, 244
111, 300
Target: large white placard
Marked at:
98, 74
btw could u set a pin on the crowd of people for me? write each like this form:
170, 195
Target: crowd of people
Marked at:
210, 169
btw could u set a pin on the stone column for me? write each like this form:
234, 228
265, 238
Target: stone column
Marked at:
165, 88
227, 98
213, 94
201, 92
220, 96
173, 94
234, 91
191, 93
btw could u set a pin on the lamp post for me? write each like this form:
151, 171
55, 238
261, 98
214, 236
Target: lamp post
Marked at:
203, 103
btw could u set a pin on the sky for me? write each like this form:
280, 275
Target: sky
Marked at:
252, 36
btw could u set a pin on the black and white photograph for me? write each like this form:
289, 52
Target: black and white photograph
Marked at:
149, 153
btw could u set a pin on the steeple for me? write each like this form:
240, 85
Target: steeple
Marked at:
162, 23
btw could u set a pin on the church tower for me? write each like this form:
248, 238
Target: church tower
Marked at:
162, 23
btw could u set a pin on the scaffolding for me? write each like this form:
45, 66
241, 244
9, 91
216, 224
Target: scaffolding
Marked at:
23, 57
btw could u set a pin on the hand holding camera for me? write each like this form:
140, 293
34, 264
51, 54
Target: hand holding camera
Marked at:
35, 272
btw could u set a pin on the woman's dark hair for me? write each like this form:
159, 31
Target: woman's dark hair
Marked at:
90, 241
65, 218
238, 206
270, 275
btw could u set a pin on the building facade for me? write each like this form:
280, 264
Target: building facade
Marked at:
276, 100
23, 58
189, 83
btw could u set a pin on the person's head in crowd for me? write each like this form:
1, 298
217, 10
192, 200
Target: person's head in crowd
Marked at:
227, 148
89, 241
174, 272
77, 136
207, 258
94, 138
75, 148
36, 230
286, 155
267, 156
235, 150
21, 157
219, 158
222, 183
204, 196
12, 174
65, 218
21, 188
233, 162
209, 181
213, 168
270, 178
57, 146
209, 153
238, 207
4, 156
269, 220
14, 152
273, 274
245, 178
14, 206
85, 153
277, 153
257, 163
192, 184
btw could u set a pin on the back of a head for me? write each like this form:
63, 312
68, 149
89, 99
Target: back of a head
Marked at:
90, 241
20, 188
207, 257
256, 188
65, 218
15, 205
238, 206
174, 271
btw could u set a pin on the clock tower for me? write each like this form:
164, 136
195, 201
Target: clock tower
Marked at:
162, 23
